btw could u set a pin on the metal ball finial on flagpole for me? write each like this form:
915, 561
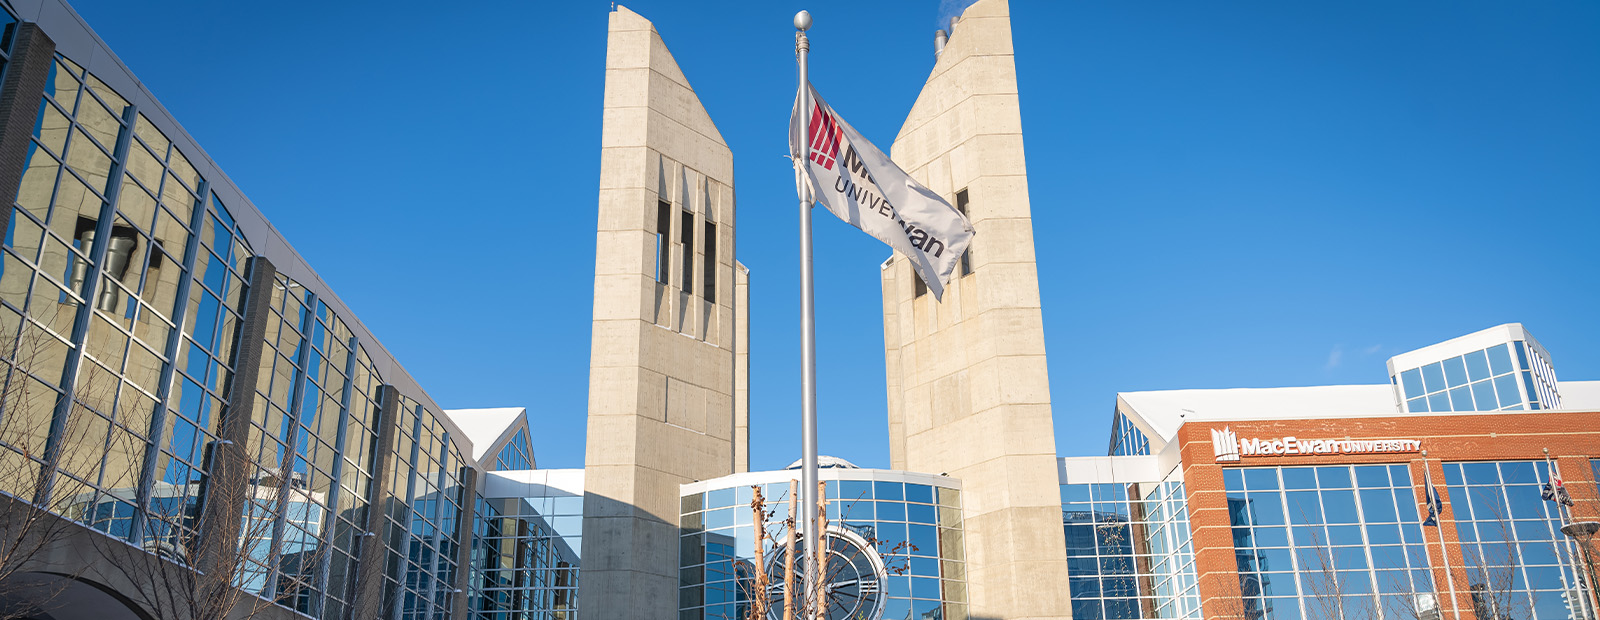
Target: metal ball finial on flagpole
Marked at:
808, 329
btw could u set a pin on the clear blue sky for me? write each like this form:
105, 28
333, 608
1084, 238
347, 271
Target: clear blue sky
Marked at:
1225, 194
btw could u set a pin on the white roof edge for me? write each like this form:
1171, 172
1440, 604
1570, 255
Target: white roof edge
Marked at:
1481, 339
533, 483
1167, 411
767, 477
1109, 469
489, 428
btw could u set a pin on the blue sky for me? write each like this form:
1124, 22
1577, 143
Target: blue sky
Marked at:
1225, 194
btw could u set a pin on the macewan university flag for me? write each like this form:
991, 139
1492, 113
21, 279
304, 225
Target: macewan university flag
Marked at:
858, 183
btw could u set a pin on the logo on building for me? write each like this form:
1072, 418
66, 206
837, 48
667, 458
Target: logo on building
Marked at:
1225, 444
1228, 448
825, 137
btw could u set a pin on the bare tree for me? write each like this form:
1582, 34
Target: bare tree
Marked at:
218, 570
1329, 593
1492, 565
40, 490
811, 602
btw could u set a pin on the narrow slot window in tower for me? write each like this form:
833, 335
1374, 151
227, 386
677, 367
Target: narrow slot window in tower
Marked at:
966, 257
687, 233
663, 230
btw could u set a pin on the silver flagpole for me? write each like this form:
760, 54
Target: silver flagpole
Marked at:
1552, 473
808, 327
1438, 525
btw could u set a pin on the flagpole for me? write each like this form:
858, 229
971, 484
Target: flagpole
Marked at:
1438, 525
1553, 473
808, 326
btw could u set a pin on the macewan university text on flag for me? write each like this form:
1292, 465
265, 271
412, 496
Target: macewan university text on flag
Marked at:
825, 143
867, 190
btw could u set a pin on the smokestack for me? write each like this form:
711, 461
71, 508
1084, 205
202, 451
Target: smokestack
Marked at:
939, 39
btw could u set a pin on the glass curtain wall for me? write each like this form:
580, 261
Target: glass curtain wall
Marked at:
916, 529
1129, 553
1329, 542
526, 558
1127, 439
1518, 563
517, 453
122, 287
421, 517
1483, 380
113, 381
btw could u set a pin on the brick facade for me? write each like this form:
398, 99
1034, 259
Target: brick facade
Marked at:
1571, 438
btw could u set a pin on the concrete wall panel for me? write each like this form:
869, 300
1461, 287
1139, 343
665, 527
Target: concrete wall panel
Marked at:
968, 384
662, 387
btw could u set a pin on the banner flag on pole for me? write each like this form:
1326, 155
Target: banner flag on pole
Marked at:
1555, 491
860, 185
1435, 506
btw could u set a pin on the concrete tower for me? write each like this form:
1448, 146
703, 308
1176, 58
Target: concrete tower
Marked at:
664, 352
968, 390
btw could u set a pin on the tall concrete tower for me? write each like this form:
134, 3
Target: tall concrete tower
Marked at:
968, 389
664, 354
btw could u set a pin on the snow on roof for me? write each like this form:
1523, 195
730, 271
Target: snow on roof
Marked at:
1579, 395
1164, 411
826, 462
1160, 413
484, 427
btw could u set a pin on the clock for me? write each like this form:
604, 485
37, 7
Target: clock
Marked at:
854, 577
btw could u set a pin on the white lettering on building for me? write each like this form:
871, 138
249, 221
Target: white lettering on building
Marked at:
1228, 447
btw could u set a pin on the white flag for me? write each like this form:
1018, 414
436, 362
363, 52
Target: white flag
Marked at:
858, 183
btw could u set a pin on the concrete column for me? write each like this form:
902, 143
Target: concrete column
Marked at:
469, 509
222, 501
968, 387
661, 392
365, 602
19, 107
741, 369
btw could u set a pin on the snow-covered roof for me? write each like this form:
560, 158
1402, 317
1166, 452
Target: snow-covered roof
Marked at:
1159, 414
826, 462
488, 429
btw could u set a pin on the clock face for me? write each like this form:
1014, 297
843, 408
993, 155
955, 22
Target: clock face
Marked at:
853, 579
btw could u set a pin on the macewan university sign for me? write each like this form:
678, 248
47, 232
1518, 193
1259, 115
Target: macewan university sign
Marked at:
1229, 447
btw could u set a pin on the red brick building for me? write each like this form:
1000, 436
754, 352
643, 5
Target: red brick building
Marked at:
1301, 503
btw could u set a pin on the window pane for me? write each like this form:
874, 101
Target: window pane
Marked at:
1506, 385
1455, 371
1433, 377
1412, 380
1477, 365
1439, 402
1483, 393
1499, 359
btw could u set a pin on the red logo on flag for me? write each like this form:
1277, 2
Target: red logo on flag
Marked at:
825, 136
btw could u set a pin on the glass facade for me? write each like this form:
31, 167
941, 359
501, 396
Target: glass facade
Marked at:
123, 284
1329, 542
1504, 377
1127, 439
914, 527
517, 453
1518, 563
525, 557
420, 523
1129, 553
